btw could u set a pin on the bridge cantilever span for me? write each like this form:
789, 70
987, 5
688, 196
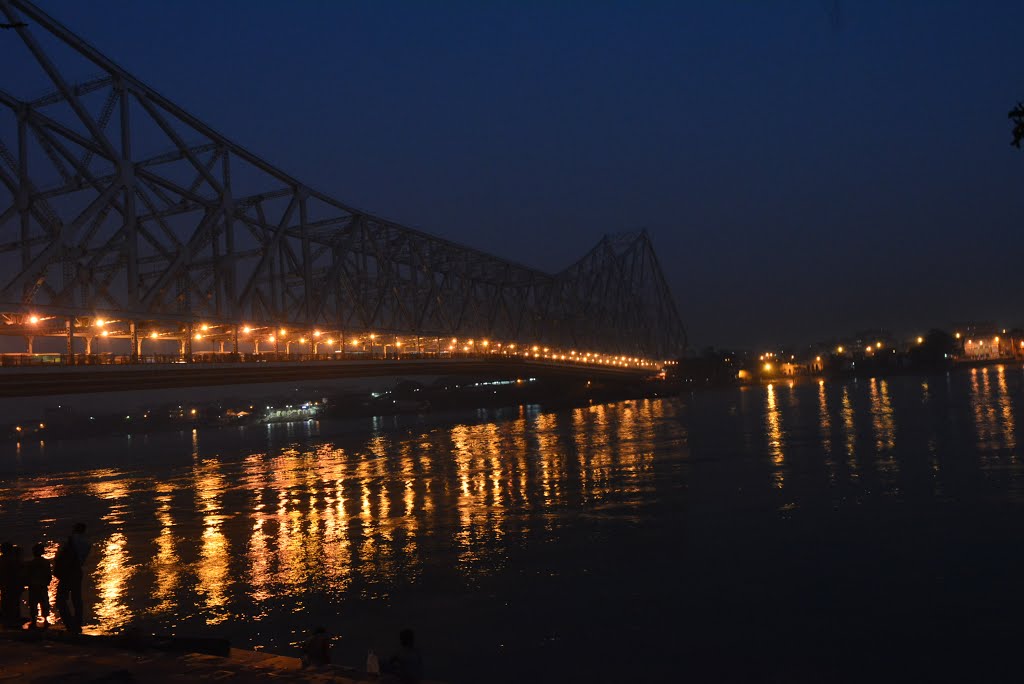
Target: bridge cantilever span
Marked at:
119, 207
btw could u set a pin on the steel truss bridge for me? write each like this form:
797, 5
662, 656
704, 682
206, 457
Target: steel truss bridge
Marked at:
123, 216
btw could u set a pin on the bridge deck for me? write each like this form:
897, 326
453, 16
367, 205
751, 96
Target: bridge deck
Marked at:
37, 381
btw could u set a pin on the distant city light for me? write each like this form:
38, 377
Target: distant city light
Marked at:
920, 340
767, 366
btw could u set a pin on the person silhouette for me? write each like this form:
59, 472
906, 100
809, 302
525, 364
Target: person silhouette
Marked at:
68, 568
12, 583
38, 575
406, 666
316, 650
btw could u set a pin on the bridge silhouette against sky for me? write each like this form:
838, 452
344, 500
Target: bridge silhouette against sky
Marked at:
135, 232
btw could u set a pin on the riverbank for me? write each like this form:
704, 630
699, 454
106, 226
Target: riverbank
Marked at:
55, 656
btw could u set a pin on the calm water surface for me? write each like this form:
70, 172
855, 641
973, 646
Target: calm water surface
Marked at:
856, 531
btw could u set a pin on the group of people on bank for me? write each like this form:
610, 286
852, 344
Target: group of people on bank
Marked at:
35, 574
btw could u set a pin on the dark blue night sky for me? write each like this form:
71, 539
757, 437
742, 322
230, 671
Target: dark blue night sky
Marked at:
806, 169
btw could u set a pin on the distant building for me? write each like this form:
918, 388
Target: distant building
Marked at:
983, 341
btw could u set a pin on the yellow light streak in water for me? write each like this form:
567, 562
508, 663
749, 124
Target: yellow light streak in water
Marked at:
1006, 413
112, 573
850, 434
214, 552
773, 425
166, 565
113, 567
825, 428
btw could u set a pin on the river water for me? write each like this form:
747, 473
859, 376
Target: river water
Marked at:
862, 530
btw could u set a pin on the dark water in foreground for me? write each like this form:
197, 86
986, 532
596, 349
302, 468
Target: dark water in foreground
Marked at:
859, 531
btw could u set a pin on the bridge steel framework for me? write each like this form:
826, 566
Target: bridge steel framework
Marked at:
116, 202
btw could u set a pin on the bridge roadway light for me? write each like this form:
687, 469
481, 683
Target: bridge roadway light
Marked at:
282, 332
270, 339
204, 327
153, 335
197, 336
316, 333
247, 330
33, 319
105, 333
99, 322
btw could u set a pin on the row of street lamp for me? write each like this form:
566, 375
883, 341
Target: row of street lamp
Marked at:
315, 338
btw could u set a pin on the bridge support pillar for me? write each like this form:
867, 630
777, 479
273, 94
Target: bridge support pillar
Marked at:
234, 340
186, 344
135, 341
312, 345
88, 345
70, 350
28, 343
222, 346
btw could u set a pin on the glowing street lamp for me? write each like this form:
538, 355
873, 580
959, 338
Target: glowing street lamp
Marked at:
839, 350
204, 327
920, 340
99, 323
153, 335
246, 330
33, 319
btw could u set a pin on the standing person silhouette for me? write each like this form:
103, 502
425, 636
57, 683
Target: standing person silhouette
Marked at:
67, 567
12, 584
38, 575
